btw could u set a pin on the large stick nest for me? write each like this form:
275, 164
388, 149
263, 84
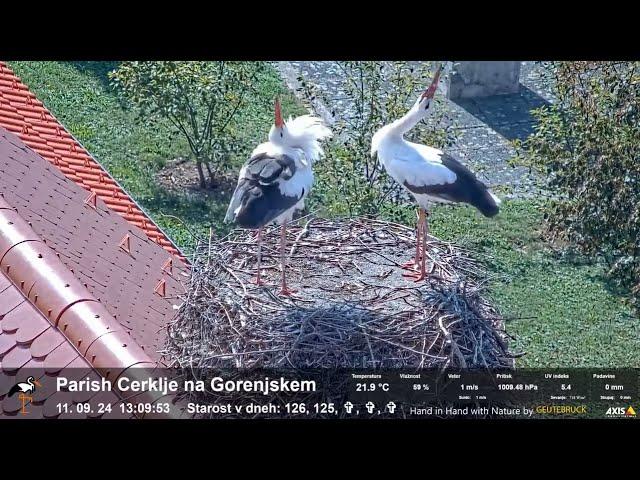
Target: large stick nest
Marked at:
353, 307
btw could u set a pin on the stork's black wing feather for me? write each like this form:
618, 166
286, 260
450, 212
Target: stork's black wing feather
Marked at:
15, 389
466, 189
257, 199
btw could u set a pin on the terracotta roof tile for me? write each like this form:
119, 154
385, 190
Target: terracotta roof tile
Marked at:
7, 342
32, 330
50, 408
78, 284
59, 358
9, 299
47, 342
26, 334
46, 390
22, 113
15, 358
10, 405
4, 283
35, 367
85, 396
86, 238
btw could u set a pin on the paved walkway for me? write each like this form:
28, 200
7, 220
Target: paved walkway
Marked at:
485, 126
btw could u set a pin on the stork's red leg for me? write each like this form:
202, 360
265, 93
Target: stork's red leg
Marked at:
413, 263
422, 221
258, 279
283, 240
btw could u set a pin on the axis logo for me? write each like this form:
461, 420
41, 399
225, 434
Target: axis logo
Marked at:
621, 412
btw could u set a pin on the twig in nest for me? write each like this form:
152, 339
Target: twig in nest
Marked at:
455, 350
302, 233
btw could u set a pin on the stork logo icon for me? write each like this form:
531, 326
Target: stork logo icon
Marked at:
25, 391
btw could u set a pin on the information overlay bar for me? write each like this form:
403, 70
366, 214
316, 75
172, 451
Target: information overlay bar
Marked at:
355, 394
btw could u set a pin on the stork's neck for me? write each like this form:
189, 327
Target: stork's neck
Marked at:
300, 149
299, 145
272, 148
405, 123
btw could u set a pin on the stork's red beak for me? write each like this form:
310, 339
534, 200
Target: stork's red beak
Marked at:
37, 383
279, 120
431, 91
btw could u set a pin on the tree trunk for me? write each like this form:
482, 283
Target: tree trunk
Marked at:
203, 183
211, 173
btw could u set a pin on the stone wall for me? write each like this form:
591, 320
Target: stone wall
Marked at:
483, 79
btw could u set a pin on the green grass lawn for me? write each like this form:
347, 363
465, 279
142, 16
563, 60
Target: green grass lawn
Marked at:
561, 310
562, 313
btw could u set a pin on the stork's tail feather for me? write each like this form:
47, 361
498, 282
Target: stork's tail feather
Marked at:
490, 205
229, 216
15, 389
234, 205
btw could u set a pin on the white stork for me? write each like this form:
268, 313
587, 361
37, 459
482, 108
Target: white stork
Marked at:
274, 182
429, 174
24, 387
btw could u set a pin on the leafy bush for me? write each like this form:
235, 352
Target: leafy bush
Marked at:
200, 99
350, 181
587, 145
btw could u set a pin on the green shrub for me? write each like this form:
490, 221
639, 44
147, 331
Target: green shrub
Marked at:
587, 146
202, 101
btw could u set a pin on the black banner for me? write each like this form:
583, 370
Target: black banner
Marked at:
175, 393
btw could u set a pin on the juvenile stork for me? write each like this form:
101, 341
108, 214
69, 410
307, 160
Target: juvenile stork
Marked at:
429, 174
274, 182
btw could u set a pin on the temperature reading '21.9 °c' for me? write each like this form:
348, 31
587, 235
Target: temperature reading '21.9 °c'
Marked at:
372, 387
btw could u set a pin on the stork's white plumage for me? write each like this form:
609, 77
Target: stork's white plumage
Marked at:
429, 174
275, 181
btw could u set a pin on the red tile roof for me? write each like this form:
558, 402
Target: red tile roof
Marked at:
26, 116
80, 287
88, 239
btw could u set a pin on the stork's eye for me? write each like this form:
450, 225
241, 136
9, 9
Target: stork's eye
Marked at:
426, 107
281, 134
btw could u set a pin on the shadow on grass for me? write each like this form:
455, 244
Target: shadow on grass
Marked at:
184, 217
610, 283
100, 70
